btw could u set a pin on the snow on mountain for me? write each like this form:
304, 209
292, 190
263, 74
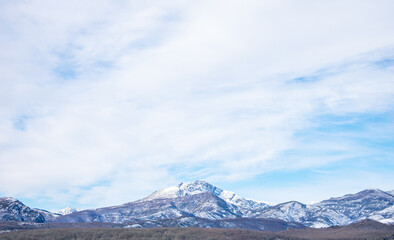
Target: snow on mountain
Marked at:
390, 192
240, 223
202, 205
384, 216
372, 203
49, 216
67, 210
246, 206
202, 200
13, 210
290, 211
354, 207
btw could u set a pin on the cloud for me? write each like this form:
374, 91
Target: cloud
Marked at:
124, 98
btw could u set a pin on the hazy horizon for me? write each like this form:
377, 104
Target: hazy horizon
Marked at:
104, 102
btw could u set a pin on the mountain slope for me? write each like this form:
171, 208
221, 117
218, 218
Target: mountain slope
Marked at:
353, 207
14, 210
372, 203
290, 211
272, 225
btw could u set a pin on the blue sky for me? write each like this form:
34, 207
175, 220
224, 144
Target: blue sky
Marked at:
104, 102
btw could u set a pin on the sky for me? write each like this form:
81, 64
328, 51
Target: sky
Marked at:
104, 102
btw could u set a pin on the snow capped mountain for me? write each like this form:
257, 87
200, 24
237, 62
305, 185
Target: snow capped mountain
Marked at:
354, 207
246, 206
13, 210
390, 192
200, 200
372, 203
67, 210
202, 205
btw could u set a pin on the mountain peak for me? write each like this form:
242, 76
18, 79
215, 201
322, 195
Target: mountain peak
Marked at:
9, 199
67, 210
184, 189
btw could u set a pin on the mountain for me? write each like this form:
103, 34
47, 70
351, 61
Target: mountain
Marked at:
272, 225
203, 205
246, 206
185, 203
203, 200
67, 210
13, 210
198, 199
372, 203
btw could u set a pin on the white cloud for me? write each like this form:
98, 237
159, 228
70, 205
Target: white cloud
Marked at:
162, 88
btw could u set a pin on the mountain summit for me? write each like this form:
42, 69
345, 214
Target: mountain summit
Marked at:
67, 210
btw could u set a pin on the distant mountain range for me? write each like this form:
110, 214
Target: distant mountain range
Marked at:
204, 205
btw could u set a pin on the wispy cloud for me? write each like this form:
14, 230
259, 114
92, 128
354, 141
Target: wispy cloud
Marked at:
124, 98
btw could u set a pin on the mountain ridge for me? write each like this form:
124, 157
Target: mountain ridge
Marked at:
203, 200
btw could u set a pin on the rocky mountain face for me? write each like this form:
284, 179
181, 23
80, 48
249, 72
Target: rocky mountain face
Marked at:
13, 210
199, 203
